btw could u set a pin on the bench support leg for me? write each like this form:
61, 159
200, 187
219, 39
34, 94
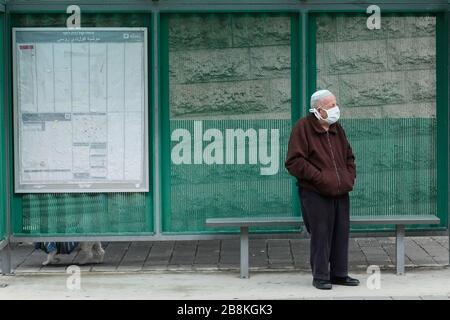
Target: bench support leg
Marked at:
244, 252
5, 255
400, 248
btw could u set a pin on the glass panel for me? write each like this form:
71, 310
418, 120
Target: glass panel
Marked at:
385, 84
229, 111
84, 213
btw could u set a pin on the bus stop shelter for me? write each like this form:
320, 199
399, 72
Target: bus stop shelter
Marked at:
137, 121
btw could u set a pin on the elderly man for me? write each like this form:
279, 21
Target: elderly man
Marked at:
321, 159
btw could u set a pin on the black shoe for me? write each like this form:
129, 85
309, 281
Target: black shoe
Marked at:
345, 281
322, 284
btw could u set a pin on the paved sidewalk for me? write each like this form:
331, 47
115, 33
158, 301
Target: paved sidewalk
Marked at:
210, 270
418, 284
214, 255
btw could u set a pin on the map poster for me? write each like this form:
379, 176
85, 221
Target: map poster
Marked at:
80, 109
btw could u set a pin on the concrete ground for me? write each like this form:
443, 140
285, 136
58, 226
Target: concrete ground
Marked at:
210, 270
415, 285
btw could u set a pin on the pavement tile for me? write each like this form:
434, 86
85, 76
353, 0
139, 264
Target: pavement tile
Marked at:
113, 256
407, 298
135, 257
220, 254
437, 297
278, 243
33, 261
21, 252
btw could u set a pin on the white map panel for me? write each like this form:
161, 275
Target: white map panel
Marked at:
80, 110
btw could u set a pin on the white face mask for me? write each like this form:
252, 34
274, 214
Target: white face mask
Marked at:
333, 114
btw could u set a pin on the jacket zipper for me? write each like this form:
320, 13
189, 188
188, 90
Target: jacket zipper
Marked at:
334, 161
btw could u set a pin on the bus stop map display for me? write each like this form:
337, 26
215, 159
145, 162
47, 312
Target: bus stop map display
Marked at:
80, 100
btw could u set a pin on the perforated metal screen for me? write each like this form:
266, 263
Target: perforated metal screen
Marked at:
385, 84
230, 75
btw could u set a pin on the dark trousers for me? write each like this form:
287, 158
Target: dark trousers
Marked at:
327, 220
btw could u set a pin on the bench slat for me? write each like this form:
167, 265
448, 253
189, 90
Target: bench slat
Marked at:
254, 222
396, 219
297, 221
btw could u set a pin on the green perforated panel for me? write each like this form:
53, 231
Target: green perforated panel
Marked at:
88, 213
221, 189
227, 74
385, 84
240, 71
396, 162
85, 213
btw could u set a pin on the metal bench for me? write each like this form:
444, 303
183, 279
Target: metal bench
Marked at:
245, 223
399, 221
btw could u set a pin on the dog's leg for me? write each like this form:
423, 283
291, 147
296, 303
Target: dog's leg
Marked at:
50, 259
86, 249
99, 252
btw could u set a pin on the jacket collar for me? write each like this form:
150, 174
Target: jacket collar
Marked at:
318, 127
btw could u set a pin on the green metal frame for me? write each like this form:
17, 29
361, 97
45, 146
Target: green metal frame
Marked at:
442, 115
447, 26
3, 198
5, 248
231, 5
164, 131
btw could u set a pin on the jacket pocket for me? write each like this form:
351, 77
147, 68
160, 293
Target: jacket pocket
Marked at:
328, 183
347, 181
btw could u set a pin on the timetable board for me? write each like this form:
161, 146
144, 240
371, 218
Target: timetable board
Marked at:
80, 108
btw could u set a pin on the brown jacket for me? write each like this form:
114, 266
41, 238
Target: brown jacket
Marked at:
321, 161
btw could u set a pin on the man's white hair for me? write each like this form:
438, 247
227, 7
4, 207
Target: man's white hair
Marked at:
319, 95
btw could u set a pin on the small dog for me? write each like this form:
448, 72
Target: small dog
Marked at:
89, 250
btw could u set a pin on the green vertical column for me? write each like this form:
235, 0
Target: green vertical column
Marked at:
3, 210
